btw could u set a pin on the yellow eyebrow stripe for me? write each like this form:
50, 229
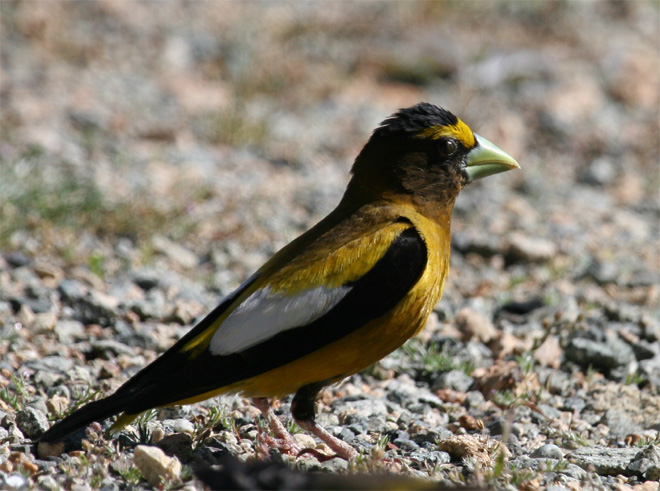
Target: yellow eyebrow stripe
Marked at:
460, 131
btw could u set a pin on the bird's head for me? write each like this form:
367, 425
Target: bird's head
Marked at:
424, 153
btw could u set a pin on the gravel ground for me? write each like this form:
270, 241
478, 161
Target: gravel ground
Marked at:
155, 154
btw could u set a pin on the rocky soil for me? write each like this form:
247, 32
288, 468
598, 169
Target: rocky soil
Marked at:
154, 154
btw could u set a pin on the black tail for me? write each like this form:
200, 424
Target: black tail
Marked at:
174, 376
79, 420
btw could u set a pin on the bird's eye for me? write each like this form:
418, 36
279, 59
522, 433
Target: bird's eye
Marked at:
447, 147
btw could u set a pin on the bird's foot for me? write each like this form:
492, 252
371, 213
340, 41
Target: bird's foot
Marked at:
286, 446
318, 455
282, 441
339, 447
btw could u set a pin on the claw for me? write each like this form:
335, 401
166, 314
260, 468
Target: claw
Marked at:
320, 456
284, 442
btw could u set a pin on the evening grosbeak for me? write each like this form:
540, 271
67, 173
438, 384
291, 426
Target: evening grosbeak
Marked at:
337, 299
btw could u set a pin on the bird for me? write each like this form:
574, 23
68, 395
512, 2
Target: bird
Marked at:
338, 298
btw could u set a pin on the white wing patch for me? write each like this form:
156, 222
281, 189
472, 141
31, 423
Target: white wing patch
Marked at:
265, 313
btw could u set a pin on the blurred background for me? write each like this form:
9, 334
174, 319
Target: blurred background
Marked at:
219, 123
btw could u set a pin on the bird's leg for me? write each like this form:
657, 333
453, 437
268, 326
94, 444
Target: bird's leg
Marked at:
302, 409
283, 439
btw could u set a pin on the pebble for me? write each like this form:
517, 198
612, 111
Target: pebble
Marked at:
156, 467
432, 457
47, 271
15, 482
406, 444
17, 259
80, 485
179, 426
646, 463
453, 379
603, 272
548, 451
619, 423
475, 243
153, 306
57, 404
645, 350
600, 172
71, 289
94, 308
651, 370
574, 472
116, 348
497, 427
304, 440
109, 484
26, 316
523, 307
576, 404
474, 399
32, 421
604, 460
530, 249
174, 251
45, 322
557, 382
47, 482
185, 311
609, 354
175, 444
147, 278
68, 331
474, 325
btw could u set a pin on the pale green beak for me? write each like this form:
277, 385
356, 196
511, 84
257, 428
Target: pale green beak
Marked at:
487, 159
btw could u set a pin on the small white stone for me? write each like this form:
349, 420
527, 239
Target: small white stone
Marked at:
181, 426
176, 252
227, 437
531, 249
155, 465
304, 440
16, 481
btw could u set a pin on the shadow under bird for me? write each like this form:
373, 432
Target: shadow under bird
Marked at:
337, 299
